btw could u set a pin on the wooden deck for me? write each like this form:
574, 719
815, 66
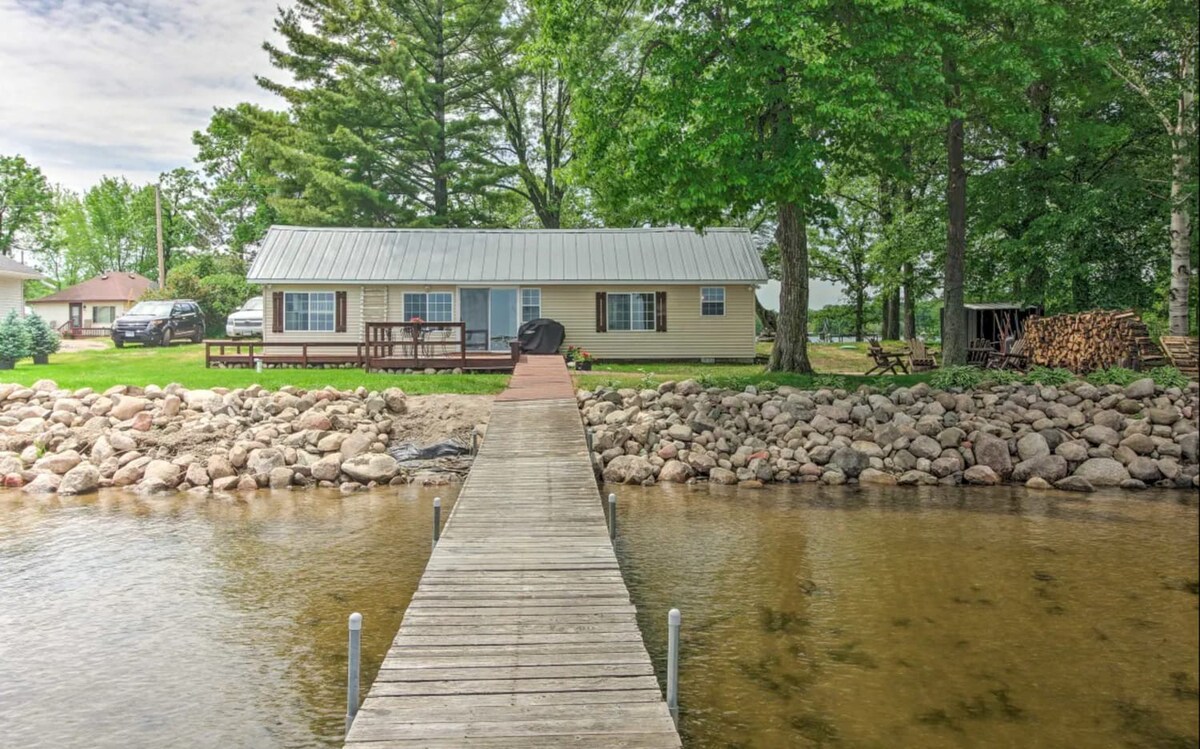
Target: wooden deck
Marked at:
521, 633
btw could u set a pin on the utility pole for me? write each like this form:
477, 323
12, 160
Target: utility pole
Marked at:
162, 260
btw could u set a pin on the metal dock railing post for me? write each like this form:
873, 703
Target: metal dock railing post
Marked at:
437, 520
612, 516
352, 669
674, 618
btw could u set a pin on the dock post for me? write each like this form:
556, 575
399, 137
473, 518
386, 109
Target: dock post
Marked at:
437, 519
352, 669
612, 516
674, 618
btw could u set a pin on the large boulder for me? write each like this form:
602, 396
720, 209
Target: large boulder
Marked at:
1143, 388
926, 447
58, 463
874, 477
1032, 445
82, 479
263, 460
628, 469
980, 475
674, 471
128, 405
1048, 467
366, 467
160, 476
1144, 469
355, 444
395, 400
1102, 472
849, 461
327, 468
722, 476
202, 400
992, 452
1101, 435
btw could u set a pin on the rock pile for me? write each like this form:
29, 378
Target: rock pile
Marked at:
153, 439
1077, 437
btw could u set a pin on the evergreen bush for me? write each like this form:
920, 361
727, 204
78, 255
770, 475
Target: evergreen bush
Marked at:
14, 340
43, 339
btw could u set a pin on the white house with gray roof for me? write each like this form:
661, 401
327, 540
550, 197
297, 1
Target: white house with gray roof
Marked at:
619, 293
13, 276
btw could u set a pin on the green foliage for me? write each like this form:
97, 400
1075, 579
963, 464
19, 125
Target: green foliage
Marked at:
957, 376
43, 339
1050, 376
831, 382
217, 282
25, 201
1001, 377
1113, 376
14, 338
1169, 377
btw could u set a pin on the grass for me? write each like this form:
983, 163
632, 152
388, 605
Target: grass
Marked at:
836, 364
184, 364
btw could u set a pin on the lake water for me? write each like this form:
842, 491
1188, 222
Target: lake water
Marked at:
813, 616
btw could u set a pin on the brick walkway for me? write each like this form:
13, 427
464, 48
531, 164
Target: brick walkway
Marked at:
539, 377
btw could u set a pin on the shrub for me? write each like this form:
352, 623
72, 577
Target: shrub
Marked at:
1113, 376
1169, 377
216, 282
831, 382
14, 338
1001, 377
957, 376
1048, 376
43, 339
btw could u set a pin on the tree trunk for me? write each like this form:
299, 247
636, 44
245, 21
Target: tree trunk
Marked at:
860, 313
768, 317
954, 329
441, 191
886, 323
790, 352
893, 331
1178, 312
910, 304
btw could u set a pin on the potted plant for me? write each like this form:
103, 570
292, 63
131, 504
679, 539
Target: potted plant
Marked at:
14, 340
43, 339
583, 361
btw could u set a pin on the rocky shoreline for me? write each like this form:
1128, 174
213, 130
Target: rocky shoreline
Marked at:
1077, 437
155, 440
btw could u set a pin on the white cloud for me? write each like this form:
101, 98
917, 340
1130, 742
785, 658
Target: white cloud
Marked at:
95, 87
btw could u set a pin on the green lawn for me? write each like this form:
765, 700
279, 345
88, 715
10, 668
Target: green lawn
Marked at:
837, 364
184, 363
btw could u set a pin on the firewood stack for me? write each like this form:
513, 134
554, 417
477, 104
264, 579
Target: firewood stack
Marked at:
1093, 340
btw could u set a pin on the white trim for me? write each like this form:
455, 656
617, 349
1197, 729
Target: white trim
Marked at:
310, 329
538, 283
608, 328
724, 301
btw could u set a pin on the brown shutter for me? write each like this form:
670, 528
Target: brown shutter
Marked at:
277, 312
339, 315
660, 311
601, 312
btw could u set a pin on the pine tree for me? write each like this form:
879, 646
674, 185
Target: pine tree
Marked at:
43, 339
14, 339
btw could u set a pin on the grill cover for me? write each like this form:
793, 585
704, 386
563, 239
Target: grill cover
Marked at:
541, 336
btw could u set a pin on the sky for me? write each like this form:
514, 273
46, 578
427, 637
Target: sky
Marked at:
90, 88
116, 87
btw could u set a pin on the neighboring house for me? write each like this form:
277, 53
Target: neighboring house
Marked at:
619, 293
89, 308
13, 276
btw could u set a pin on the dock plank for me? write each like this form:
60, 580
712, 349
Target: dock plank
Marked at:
521, 632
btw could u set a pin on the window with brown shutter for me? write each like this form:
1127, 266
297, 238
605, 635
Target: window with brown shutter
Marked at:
277, 312
601, 312
660, 311
339, 323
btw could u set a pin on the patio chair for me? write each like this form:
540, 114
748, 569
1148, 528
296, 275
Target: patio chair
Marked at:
1015, 358
920, 358
978, 352
885, 362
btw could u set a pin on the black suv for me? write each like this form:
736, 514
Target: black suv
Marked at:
157, 323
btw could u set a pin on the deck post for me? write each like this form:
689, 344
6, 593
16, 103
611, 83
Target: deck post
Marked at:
352, 669
437, 520
674, 619
612, 516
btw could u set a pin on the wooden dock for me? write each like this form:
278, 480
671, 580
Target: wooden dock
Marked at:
521, 633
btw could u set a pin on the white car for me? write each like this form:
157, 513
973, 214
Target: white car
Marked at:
247, 321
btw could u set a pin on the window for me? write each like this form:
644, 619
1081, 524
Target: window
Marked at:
104, 315
308, 311
531, 304
437, 306
712, 301
631, 311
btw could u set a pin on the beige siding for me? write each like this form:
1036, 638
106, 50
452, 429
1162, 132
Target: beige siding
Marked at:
688, 334
354, 318
12, 295
57, 313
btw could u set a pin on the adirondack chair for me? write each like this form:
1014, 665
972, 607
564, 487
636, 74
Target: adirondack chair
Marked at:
1184, 354
920, 358
978, 352
885, 362
1015, 358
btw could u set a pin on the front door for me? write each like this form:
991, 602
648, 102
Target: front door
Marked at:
76, 314
490, 317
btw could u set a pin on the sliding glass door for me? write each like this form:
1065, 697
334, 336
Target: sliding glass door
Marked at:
490, 316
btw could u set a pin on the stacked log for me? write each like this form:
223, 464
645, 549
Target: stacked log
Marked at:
1088, 341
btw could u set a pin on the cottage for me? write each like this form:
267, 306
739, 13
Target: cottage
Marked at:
89, 308
13, 276
619, 293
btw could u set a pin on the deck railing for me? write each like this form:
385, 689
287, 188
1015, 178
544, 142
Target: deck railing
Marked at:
416, 341
67, 330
